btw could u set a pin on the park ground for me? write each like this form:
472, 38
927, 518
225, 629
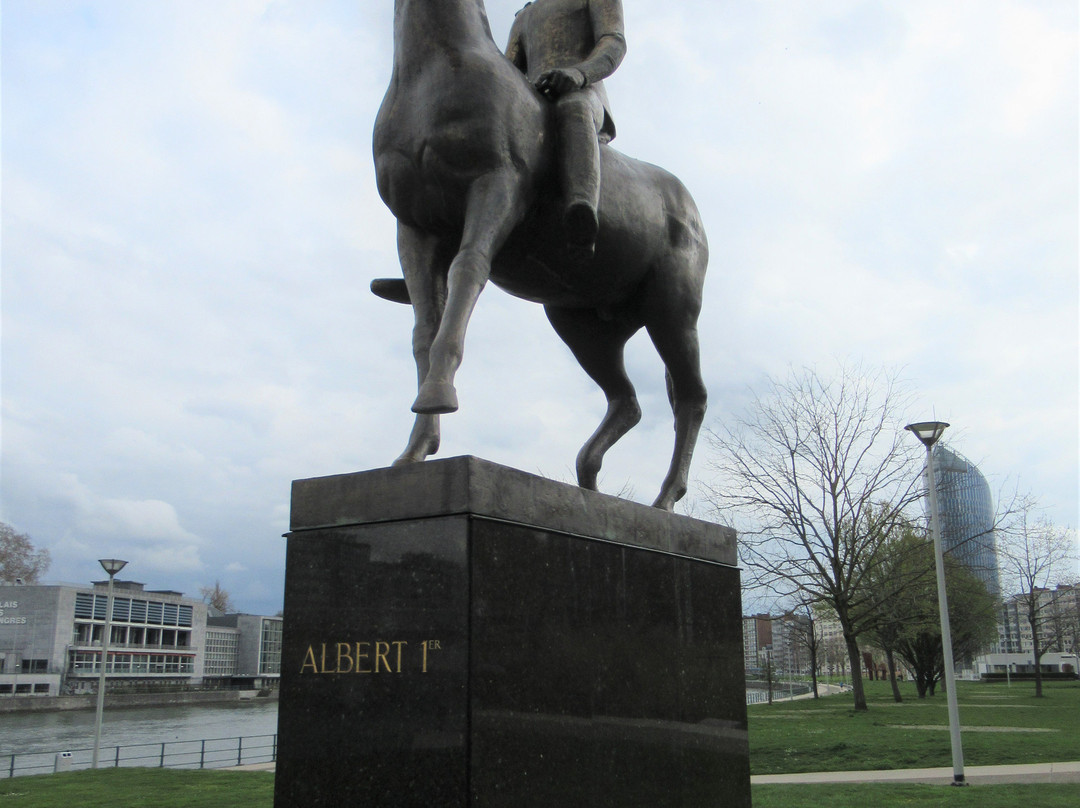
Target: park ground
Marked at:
1002, 726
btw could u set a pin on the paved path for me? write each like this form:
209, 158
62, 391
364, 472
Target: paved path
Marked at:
981, 775
978, 775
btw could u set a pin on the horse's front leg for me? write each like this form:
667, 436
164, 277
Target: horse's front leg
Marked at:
425, 276
493, 207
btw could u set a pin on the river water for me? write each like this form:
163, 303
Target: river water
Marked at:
23, 733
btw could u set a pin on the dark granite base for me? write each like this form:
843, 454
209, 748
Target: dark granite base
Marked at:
486, 653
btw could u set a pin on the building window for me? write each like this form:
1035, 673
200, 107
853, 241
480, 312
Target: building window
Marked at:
42, 688
138, 611
270, 649
35, 666
121, 610
84, 605
86, 662
220, 656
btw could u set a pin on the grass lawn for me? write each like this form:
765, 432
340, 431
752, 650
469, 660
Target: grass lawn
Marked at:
140, 788
999, 724
173, 788
1002, 725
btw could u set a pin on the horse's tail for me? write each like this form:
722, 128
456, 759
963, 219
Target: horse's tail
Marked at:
392, 289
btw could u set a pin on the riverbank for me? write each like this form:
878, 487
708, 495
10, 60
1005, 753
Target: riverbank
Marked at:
50, 704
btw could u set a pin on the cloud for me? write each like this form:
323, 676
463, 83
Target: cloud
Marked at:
190, 224
149, 521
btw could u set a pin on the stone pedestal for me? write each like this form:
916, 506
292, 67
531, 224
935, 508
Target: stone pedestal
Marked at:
459, 633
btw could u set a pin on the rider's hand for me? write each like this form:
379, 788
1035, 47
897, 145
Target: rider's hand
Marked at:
560, 81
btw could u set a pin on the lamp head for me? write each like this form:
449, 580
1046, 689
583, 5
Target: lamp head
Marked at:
929, 432
112, 565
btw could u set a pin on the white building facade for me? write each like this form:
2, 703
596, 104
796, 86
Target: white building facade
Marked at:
51, 641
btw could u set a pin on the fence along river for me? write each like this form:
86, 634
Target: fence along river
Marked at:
34, 738
25, 734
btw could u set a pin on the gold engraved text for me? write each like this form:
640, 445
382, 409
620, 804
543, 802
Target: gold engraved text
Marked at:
378, 656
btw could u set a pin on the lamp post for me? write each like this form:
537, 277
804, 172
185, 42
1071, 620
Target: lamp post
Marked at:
929, 432
111, 566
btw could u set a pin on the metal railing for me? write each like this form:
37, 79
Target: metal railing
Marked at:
781, 691
211, 753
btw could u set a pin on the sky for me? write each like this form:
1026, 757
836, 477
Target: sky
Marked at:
190, 224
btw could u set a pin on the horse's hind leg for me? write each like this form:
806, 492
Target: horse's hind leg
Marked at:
425, 276
671, 319
598, 345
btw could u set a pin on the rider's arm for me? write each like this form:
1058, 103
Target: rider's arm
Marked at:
610, 47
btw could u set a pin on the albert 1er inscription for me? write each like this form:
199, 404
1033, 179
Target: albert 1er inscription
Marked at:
364, 657
458, 633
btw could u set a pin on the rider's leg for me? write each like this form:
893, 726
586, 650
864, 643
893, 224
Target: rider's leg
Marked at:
580, 116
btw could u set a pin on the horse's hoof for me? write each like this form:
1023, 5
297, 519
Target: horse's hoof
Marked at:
587, 480
664, 504
668, 497
418, 452
436, 398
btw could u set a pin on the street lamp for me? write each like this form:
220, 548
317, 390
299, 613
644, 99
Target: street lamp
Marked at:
111, 566
929, 432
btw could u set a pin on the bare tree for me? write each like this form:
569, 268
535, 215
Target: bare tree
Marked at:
808, 636
19, 559
818, 476
885, 631
835, 656
1034, 555
217, 597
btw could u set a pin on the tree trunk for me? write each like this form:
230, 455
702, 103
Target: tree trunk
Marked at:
856, 671
920, 686
1036, 652
813, 670
892, 675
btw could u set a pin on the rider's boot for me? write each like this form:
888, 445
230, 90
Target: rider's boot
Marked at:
580, 158
581, 226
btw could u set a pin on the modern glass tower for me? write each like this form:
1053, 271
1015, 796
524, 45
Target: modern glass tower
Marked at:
967, 516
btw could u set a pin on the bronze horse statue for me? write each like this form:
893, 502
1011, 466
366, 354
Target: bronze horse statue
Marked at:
464, 158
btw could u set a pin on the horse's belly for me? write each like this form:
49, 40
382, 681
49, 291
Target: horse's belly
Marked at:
535, 266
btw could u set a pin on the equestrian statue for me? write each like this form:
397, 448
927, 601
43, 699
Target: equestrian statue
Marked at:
497, 167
